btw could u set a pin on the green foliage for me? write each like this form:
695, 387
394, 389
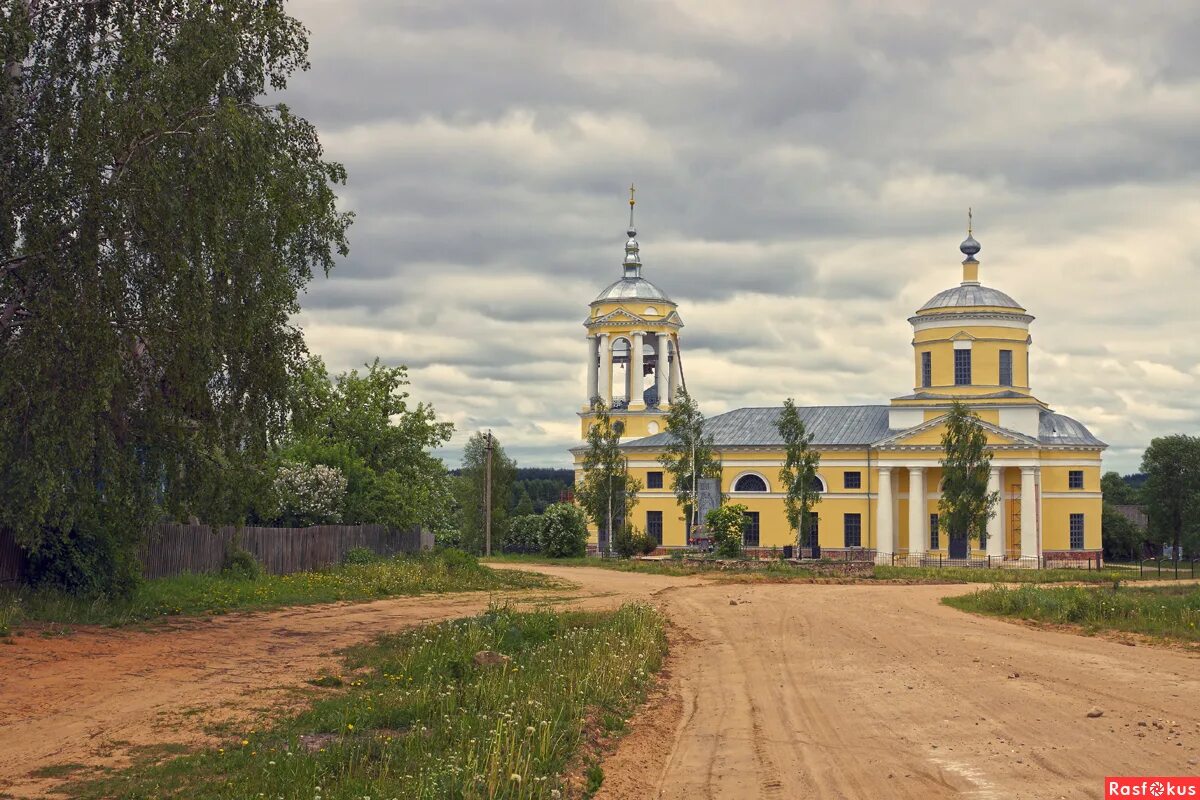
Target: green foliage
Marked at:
1172, 612
422, 719
1122, 539
1117, 490
607, 490
217, 594
690, 453
469, 493
799, 472
240, 564
629, 542
543, 486
966, 504
1172, 489
524, 506
524, 534
564, 531
724, 525
364, 426
157, 223
359, 555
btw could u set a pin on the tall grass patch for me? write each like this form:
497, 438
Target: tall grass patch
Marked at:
1001, 575
190, 594
490, 707
1166, 611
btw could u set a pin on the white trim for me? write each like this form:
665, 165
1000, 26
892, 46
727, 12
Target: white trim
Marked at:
933, 464
962, 344
1018, 321
1072, 494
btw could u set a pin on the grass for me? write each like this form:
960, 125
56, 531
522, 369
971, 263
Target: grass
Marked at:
782, 571
192, 594
1000, 575
418, 717
1171, 612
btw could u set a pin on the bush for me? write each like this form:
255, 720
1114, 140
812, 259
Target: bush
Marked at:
359, 555
648, 545
724, 525
446, 540
310, 495
564, 531
459, 560
630, 542
240, 563
524, 534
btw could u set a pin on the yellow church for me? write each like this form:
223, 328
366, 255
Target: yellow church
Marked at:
880, 466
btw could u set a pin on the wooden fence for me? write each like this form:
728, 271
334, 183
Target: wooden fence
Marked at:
173, 548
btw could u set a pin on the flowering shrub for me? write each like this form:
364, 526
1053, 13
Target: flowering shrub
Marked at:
524, 534
310, 495
724, 525
564, 531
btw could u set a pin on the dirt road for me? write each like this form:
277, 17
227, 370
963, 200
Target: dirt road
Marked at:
880, 691
791, 691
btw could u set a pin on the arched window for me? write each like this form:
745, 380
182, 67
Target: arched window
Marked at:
818, 485
750, 483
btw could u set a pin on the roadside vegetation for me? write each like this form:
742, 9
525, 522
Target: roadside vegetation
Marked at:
494, 706
242, 587
1171, 612
825, 570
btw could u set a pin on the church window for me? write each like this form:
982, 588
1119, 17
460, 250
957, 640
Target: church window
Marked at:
1075, 479
651, 311
1077, 531
853, 530
750, 529
962, 367
654, 526
814, 530
619, 428
933, 532
654, 480
1006, 368
750, 483
852, 480
926, 369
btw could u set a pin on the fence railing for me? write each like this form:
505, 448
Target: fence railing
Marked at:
1168, 568
979, 560
175, 548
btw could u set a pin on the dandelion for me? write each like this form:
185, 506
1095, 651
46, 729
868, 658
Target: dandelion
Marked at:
515, 778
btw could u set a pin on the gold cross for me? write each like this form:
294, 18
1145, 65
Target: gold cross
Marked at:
970, 221
632, 189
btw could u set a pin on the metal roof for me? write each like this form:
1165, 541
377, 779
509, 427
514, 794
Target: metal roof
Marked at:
1059, 429
1003, 394
970, 294
636, 288
829, 425
844, 426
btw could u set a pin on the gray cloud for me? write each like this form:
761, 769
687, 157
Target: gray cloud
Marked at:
803, 171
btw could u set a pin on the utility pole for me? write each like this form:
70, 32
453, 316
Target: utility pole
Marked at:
487, 494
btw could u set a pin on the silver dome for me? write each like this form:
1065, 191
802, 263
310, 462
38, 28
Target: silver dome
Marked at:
971, 295
636, 288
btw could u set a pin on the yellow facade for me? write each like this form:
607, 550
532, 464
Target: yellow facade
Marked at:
970, 343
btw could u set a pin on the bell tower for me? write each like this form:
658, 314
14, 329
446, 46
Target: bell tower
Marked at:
633, 362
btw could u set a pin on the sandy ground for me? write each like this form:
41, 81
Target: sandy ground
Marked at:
773, 690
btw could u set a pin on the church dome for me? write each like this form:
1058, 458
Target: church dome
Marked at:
632, 288
969, 294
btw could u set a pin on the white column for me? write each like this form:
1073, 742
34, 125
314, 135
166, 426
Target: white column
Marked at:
918, 520
676, 375
634, 375
593, 368
995, 525
1029, 545
660, 369
885, 536
605, 369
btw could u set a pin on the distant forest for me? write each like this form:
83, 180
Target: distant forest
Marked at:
535, 488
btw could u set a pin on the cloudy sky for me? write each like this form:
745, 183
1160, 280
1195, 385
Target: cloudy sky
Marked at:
804, 170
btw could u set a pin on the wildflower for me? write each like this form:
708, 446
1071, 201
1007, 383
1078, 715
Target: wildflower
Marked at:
245, 742
515, 778
350, 727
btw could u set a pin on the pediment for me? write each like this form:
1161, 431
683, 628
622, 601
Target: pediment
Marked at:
962, 336
929, 435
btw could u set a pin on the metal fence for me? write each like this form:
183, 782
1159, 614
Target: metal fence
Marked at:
1168, 568
980, 560
174, 548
